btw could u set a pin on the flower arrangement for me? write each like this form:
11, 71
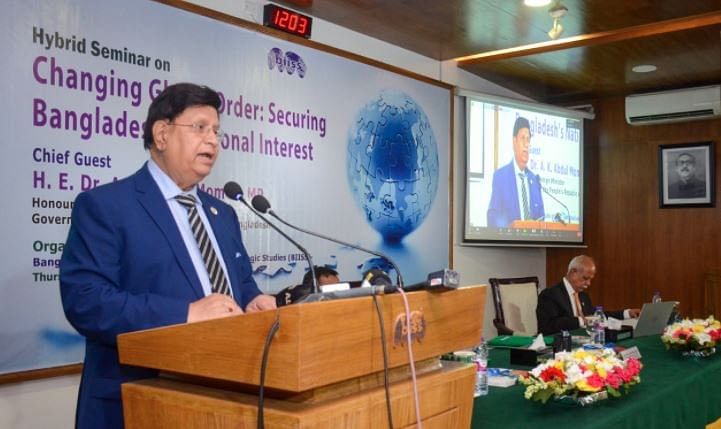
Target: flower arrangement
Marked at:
582, 374
692, 335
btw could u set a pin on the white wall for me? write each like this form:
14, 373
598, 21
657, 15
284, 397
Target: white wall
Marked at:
39, 404
50, 403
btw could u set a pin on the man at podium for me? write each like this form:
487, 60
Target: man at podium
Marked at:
516, 191
152, 249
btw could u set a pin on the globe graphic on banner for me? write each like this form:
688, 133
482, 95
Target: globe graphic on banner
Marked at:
393, 164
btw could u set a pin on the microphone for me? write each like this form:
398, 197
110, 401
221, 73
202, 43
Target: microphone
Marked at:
558, 215
235, 192
441, 280
261, 204
376, 277
302, 293
355, 292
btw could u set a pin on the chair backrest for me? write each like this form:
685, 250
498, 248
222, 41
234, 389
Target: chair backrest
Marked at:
515, 300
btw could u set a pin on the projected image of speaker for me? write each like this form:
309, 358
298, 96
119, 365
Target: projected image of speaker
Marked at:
524, 173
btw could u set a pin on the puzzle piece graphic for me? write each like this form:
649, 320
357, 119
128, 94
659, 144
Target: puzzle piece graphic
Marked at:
393, 164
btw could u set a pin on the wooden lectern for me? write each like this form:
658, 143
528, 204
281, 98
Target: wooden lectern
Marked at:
325, 366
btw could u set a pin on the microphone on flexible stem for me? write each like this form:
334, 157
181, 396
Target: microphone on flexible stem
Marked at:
375, 282
262, 205
442, 280
355, 292
235, 192
363, 291
557, 217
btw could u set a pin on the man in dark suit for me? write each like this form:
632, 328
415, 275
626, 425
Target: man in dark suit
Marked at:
516, 191
563, 306
132, 260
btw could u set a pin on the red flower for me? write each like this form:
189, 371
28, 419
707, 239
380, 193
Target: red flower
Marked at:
595, 381
634, 366
682, 334
715, 334
623, 373
613, 380
552, 373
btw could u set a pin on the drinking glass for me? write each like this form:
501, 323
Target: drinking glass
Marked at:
590, 321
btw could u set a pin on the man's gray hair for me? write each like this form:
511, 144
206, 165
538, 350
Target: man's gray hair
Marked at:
579, 262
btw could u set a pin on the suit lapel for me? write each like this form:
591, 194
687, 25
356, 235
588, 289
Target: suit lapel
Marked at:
153, 202
566, 300
586, 303
515, 208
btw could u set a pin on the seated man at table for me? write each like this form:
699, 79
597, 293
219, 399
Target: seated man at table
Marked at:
323, 275
563, 306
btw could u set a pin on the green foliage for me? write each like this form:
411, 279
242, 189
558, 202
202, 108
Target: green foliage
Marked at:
615, 393
542, 396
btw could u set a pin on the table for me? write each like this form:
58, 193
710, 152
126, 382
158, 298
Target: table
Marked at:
675, 392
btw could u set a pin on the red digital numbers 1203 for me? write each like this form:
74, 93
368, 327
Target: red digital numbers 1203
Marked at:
287, 20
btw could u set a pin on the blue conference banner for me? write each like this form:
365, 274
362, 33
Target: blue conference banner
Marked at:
337, 146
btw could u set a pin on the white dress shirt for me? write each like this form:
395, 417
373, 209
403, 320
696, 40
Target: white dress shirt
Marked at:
170, 190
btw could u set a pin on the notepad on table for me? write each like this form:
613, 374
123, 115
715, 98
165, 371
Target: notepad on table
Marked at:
516, 341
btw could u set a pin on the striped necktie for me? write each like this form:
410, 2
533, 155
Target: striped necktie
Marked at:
218, 282
524, 196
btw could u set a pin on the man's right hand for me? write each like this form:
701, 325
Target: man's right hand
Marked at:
212, 307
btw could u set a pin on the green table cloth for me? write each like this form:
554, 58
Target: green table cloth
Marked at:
675, 392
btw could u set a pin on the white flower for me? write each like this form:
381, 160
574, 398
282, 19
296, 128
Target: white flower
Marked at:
536, 372
574, 374
703, 338
606, 364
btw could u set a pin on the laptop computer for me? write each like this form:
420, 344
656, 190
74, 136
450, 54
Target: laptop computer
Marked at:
653, 319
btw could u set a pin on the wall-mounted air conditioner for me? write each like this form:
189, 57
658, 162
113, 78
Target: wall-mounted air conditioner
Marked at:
674, 106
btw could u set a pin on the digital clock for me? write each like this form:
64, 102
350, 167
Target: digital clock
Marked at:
287, 20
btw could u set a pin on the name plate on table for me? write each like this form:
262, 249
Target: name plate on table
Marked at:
631, 352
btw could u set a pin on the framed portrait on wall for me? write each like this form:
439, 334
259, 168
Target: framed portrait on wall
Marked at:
686, 175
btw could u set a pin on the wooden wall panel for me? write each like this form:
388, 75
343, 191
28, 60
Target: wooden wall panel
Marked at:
638, 246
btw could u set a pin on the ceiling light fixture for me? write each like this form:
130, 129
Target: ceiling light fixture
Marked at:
555, 31
536, 3
557, 11
644, 68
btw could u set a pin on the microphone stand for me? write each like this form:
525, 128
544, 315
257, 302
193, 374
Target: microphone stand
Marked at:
342, 243
239, 197
543, 188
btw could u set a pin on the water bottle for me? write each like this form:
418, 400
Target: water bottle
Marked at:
656, 297
566, 341
599, 326
675, 314
481, 369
